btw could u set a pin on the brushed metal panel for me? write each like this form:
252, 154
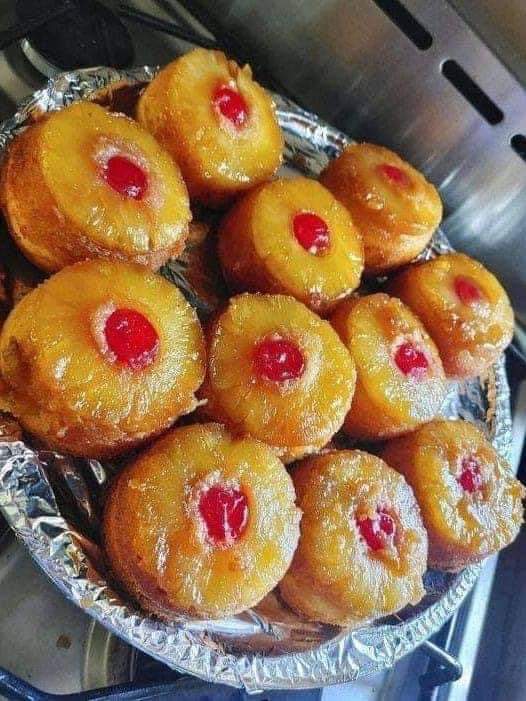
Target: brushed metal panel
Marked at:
502, 26
346, 60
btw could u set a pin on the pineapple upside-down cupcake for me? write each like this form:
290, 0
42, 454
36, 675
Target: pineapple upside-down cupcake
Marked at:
395, 209
216, 121
85, 183
470, 501
363, 548
100, 357
292, 236
400, 379
277, 372
464, 308
201, 523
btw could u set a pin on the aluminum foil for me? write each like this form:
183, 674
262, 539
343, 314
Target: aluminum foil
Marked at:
52, 501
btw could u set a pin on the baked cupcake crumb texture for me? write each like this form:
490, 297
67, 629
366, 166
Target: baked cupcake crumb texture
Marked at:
464, 309
86, 183
201, 523
100, 357
395, 209
292, 236
362, 550
217, 122
277, 372
470, 501
400, 378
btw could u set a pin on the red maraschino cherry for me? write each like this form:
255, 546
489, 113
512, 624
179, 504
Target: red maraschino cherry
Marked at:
411, 361
394, 174
278, 360
131, 338
224, 511
311, 232
231, 105
470, 478
378, 532
126, 177
466, 290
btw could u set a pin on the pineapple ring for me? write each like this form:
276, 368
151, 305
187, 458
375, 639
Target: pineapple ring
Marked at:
75, 379
464, 308
292, 236
394, 207
163, 506
400, 379
277, 372
362, 549
470, 501
219, 153
84, 183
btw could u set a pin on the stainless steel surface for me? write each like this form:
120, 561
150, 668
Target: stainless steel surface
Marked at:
47, 640
351, 64
502, 26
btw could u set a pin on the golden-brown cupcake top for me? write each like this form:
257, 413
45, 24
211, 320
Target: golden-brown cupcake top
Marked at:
363, 548
86, 183
394, 207
217, 122
464, 308
400, 379
278, 372
470, 501
100, 356
201, 523
292, 236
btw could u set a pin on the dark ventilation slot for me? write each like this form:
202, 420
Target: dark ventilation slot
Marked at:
518, 144
405, 21
476, 97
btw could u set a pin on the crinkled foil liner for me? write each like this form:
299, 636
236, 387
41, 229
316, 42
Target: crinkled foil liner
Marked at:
267, 648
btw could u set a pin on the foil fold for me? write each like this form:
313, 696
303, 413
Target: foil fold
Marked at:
51, 501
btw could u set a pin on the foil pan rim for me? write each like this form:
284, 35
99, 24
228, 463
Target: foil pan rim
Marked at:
29, 505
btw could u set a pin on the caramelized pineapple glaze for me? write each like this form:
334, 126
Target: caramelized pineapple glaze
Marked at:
292, 236
393, 206
470, 501
216, 121
400, 382
464, 308
106, 354
85, 183
277, 372
100, 357
363, 547
202, 523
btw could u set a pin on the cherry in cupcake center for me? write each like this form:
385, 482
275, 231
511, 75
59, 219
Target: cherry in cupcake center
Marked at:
278, 359
125, 336
224, 512
469, 475
467, 290
311, 232
231, 105
409, 350
126, 177
411, 359
220, 509
394, 175
379, 530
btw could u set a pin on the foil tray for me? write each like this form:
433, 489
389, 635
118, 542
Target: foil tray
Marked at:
52, 501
